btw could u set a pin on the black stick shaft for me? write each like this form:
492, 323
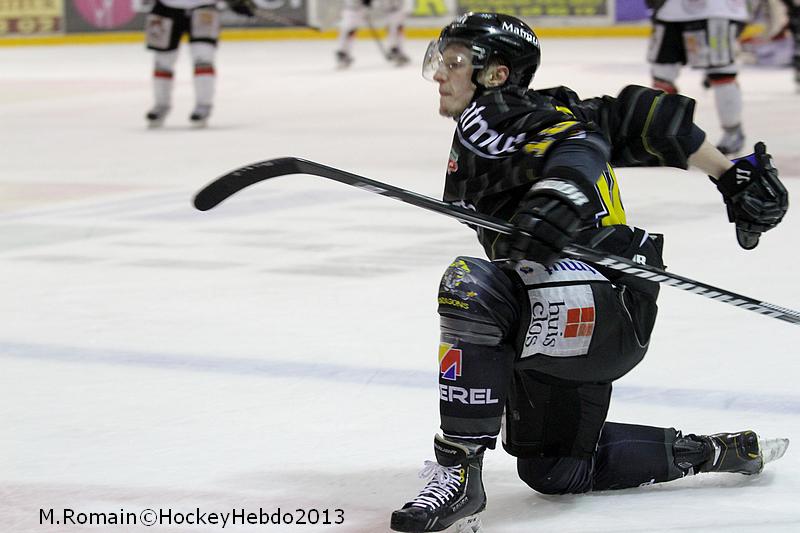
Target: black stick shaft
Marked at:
236, 180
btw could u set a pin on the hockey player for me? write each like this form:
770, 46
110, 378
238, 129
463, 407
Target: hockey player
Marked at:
540, 339
165, 25
702, 34
793, 10
354, 14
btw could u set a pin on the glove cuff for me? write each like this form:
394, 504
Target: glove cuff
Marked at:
736, 178
566, 192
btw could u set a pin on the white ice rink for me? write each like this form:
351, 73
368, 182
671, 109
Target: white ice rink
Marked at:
280, 350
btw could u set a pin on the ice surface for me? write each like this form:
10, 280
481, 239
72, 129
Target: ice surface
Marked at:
279, 351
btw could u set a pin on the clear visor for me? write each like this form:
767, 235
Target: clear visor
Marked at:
442, 57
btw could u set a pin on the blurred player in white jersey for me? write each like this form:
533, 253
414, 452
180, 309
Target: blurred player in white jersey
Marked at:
166, 22
355, 14
793, 10
701, 33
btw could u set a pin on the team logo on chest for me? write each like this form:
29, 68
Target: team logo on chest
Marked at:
452, 164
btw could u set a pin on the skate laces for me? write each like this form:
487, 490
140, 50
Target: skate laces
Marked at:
444, 484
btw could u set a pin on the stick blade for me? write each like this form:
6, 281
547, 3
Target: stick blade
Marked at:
234, 181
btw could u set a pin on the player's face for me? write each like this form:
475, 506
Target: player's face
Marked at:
454, 76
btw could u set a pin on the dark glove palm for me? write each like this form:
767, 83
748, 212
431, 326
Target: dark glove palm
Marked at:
755, 197
550, 224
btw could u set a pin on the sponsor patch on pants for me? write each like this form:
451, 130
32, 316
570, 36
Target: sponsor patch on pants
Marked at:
562, 321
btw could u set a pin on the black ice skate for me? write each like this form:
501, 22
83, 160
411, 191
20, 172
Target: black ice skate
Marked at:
343, 59
454, 493
155, 117
397, 57
200, 114
732, 140
741, 453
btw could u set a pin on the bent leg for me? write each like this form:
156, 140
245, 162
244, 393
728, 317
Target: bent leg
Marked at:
630, 455
478, 315
552, 427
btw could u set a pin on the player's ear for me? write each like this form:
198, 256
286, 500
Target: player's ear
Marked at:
495, 75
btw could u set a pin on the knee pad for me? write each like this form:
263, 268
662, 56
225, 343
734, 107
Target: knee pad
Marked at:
165, 61
477, 302
556, 475
203, 56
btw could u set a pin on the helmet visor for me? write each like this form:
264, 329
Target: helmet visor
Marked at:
445, 57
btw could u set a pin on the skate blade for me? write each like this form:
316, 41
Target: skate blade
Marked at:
772, 449
469, 524
155, 124
199, 124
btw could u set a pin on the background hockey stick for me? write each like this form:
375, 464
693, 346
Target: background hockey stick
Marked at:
270, 16
236, 180
376, 37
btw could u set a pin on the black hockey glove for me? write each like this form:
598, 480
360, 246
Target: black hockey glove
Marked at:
755, 197
243, 7
551, 213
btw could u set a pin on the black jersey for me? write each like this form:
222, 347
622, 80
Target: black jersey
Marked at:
506, 137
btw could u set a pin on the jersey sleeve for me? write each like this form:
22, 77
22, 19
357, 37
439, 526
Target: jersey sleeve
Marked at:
644, 126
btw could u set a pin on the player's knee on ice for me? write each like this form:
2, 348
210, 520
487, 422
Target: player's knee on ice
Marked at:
556, 475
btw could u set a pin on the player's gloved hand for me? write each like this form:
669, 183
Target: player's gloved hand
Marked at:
755, 197
243, 7
550, 218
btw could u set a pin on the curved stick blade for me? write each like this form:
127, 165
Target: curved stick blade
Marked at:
234, 181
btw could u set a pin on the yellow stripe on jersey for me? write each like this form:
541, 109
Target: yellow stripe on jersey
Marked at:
609, 191
646, 130
537, 148
557, 128
541, 143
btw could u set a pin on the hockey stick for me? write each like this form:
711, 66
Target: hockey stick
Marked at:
375, 37
232, 182
269, 16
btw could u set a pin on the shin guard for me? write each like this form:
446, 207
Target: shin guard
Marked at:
478, 313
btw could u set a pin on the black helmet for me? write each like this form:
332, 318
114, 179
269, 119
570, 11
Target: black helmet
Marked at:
495, 35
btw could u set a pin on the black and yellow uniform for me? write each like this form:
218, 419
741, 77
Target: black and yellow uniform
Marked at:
507, 139
543, 342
